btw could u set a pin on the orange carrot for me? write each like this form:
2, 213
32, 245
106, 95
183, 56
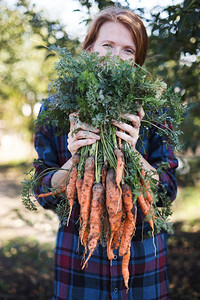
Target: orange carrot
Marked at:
84, 241
95, 218
128, 232
118, 234
55, 193
110, 253
86, 191
113, 204
130, 222
71, 185
113, 201
143, 205
120, 165
148, 211
125, 270
129, 206
103, 175
145, 209
146, 184
79, 183
119, 141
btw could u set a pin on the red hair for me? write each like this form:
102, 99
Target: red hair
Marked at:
132, 22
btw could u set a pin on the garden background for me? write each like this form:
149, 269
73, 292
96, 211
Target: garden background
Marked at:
26, 67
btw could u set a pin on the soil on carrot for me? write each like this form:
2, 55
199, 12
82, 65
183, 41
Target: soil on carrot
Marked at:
27, 249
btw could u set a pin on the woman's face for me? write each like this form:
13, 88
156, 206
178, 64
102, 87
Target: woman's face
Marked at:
115, 38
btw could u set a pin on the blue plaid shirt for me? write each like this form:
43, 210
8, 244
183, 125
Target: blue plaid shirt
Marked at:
99, 280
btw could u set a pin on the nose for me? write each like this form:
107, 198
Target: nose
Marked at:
116, 51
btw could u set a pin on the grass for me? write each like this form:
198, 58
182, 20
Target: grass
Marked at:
184, 245
187, 205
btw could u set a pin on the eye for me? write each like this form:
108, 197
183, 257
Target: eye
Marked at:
108, 46
129, 51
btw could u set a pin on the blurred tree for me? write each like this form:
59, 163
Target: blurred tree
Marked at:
174, 54
100, 4
50, 32
25, 72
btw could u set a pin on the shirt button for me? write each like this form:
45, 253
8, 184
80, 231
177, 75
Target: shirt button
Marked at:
115, 257
116, 290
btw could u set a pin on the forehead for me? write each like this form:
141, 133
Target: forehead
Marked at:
115, 30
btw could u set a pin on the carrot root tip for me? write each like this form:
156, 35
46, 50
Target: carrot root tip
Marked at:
69, 215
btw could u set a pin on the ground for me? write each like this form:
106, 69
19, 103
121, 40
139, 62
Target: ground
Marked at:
27, 241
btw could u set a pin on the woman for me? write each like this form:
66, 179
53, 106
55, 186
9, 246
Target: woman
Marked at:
123, 33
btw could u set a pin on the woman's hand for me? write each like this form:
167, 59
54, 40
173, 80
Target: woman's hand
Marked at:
81, 134
130, 133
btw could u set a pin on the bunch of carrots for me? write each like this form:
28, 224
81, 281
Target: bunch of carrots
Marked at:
109, 198
108, 181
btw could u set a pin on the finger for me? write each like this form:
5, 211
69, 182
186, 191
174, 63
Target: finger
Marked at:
135, 120
82, 134
85, 126
73, 115
141, 113
125, 127
73, 119
73, 147
127, 138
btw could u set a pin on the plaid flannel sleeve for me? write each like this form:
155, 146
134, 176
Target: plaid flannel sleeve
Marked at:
160, 151
52, 154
